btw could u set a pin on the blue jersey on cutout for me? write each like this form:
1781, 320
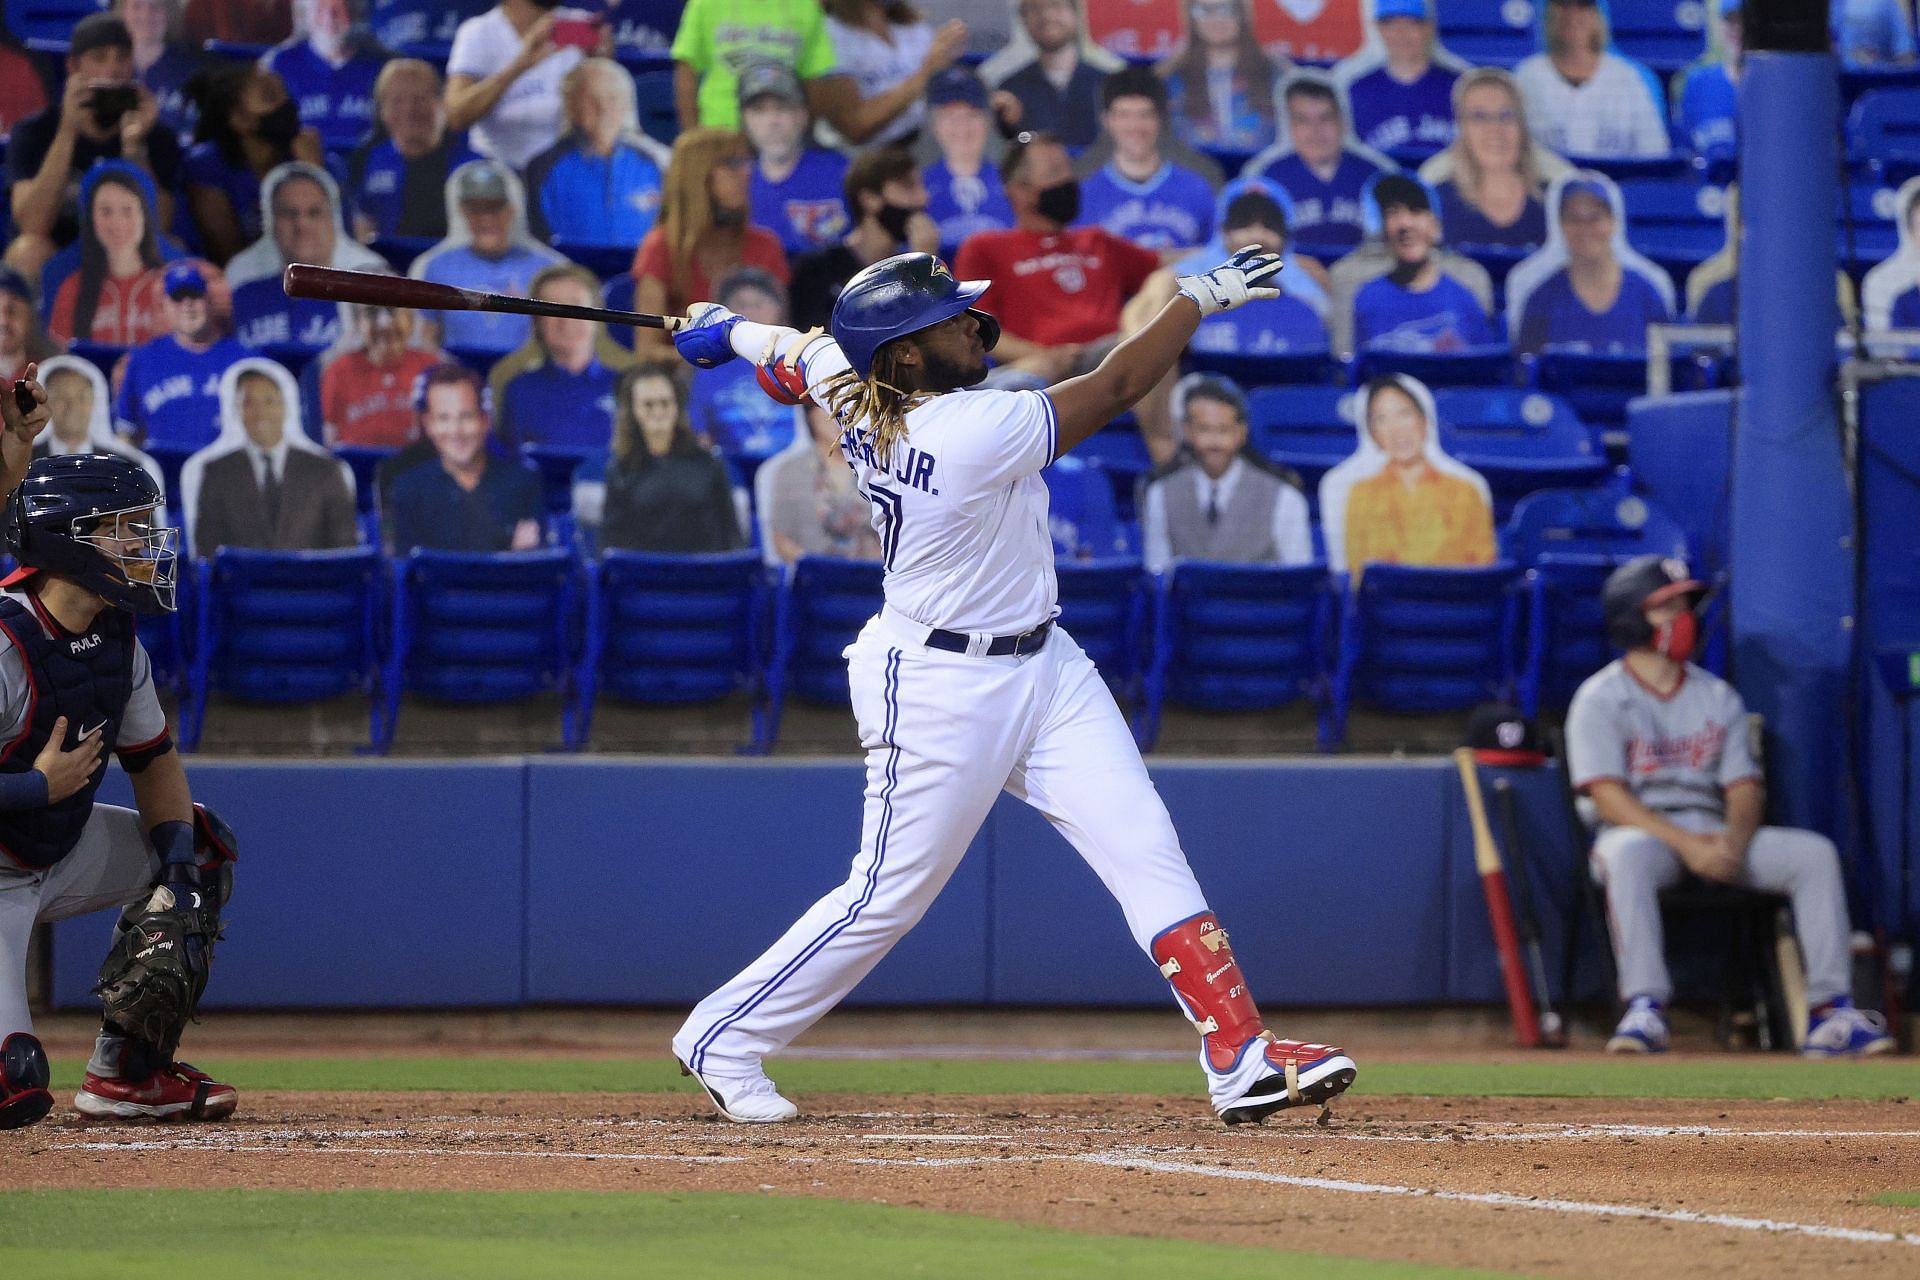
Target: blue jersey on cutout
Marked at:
1324, 213
549, 406
512, 272
807, 209
575, 195
963, 206
727, 406
264, 316
171, 396
382, 193
1266, 327
1555, 317
1171, 210
338, 101
1444, 318
1390, 116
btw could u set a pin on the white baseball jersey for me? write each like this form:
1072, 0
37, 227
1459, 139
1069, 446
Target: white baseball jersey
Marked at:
1613, 114
959, 506
1676, 753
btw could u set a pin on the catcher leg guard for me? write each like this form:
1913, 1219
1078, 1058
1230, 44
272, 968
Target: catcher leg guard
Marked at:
1251, 1073
24, 1098
174, 1092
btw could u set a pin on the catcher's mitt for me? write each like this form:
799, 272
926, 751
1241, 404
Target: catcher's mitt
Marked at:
152, 979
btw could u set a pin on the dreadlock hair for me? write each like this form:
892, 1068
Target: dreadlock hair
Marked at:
875, 407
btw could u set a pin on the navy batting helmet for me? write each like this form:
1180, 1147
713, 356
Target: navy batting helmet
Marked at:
94, 518
900, 295
1637, 586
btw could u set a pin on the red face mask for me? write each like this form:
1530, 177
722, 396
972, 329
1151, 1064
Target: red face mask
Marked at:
1676, 637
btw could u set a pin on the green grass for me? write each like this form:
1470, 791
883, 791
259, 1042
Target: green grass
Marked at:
558, 1235
1899, 1199
1758, 1076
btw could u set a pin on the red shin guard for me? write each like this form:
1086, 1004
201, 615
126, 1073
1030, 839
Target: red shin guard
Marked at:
1195, 958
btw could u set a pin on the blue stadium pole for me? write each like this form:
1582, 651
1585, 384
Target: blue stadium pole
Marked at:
1792, 518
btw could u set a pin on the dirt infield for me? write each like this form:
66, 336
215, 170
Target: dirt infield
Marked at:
1538, 1186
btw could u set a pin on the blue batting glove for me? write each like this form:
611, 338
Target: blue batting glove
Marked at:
707, 340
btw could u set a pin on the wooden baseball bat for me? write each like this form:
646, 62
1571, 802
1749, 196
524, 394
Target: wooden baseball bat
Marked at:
1493, 883
372, 288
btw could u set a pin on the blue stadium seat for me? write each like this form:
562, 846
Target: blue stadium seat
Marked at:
1566, 628
1518, 440
1103, 603
1680, 450
481, 362
557, 465
400, 251
1233, 637
1424, 639
619, 296
1597, 386
1665, 35
48, 20
481, 629
604, 260
1081, 513
1304, 368
1119, 453
1306, 428
1883, 134
363, 461
1675, 164
1498, 259
653, 91
672, 629
1571, 540
1494, 33
1856, 82
1868, 233
1486, 366
1610, 521
822, 604
165, 635
170, 458
1677, 222
101, 355
284, 627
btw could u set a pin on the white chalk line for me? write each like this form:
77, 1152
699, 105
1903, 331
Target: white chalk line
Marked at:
1507, 1200
1546, 1133
1117, 1160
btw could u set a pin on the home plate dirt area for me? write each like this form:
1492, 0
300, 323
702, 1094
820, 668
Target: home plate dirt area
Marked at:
1541, 1186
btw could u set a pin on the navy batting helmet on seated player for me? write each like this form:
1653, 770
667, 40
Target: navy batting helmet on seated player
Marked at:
94, 519
901, 295
1639, 585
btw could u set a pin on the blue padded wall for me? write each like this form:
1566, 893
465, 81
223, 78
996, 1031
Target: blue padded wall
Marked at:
369, 883
564, 880
1329, 876
652, 882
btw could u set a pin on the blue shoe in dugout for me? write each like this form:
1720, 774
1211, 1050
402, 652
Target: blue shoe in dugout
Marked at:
1838, 1030
1643, 1029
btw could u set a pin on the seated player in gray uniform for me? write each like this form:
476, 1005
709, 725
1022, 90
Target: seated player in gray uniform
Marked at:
1659, 746
75, 685
1215, 500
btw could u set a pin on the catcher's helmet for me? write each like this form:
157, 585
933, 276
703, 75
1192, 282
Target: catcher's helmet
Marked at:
1637, 586
900, 295
94, 518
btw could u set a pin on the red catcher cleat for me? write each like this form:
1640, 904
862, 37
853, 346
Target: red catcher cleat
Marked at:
176, 1092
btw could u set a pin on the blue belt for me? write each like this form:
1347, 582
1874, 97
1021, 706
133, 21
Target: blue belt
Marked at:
1000, 647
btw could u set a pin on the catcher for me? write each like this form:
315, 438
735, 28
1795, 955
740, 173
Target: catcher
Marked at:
75, 685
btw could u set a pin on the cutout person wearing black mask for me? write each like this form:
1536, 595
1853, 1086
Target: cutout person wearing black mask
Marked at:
886, 195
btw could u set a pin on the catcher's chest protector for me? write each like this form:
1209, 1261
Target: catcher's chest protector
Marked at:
86, 678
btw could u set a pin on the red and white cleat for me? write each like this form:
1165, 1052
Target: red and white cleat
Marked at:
1251, 1073
176, 1092
1290, 1073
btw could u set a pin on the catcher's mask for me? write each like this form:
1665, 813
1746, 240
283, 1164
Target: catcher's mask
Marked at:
96, 520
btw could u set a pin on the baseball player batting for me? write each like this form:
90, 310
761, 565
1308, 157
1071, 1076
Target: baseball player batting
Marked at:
964, 685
